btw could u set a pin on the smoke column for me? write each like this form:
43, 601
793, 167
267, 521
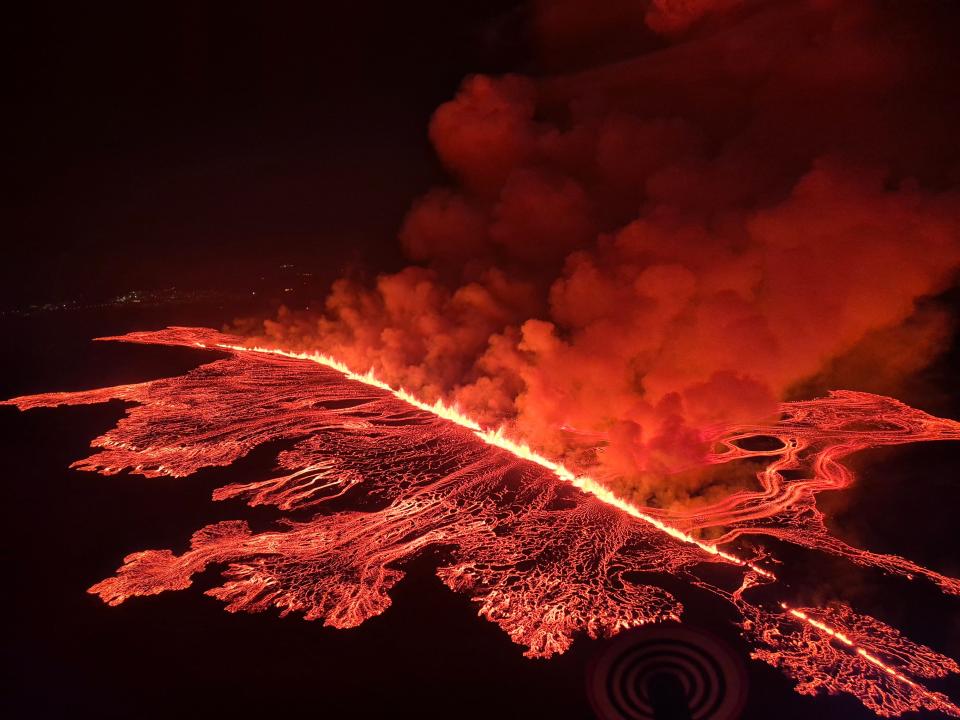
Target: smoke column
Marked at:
684, 213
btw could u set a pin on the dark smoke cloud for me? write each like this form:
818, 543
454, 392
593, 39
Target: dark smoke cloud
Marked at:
719, 202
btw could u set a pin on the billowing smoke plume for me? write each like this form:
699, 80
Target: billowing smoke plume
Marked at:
695, 206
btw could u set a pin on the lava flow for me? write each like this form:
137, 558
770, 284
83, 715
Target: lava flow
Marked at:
545, 552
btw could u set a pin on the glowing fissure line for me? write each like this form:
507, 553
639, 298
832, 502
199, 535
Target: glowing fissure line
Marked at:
873, 659
820, 655
498, 439
585, 483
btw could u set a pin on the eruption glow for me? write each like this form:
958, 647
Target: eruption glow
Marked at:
500, 440
543, 559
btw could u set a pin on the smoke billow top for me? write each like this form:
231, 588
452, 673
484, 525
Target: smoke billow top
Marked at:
689, 210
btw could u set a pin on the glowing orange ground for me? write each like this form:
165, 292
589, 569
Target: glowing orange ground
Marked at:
544, 552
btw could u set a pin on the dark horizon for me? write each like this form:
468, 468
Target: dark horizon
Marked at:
192, 144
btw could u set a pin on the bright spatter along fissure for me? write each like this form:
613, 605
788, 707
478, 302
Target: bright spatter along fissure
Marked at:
544, 552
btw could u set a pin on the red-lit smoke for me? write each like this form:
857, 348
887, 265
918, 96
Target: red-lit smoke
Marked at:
687, 211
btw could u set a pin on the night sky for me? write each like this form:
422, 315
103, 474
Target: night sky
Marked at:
198, 144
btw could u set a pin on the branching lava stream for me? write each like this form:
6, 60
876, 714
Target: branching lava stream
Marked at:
545, 553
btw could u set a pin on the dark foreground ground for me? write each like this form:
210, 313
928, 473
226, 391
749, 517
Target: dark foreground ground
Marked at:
181, 655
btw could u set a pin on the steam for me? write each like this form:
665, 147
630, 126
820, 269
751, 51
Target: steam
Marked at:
755, 194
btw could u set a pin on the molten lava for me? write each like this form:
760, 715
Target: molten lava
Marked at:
545, 552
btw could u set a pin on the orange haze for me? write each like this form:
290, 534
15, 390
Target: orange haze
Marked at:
689, 209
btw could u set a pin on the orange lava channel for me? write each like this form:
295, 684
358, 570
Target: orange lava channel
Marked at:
836, 634
585, 483
499, 439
